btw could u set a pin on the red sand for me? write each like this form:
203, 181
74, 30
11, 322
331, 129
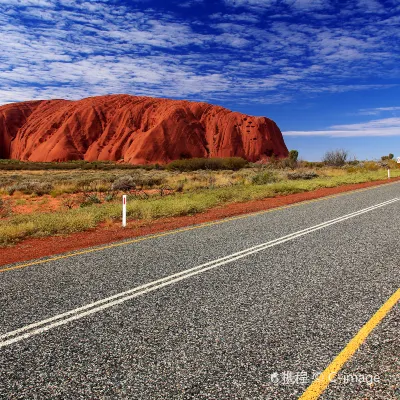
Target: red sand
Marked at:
132, 129
35, 248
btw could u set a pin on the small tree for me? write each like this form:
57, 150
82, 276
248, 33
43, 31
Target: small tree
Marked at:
389, 157
336, 158
293, 155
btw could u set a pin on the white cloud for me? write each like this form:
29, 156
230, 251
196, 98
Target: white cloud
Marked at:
378, 110
381, 127
302, 5
94, 47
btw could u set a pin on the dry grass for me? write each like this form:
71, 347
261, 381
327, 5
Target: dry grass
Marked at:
201, 190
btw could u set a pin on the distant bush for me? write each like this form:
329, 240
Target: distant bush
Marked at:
16, 165
389, 157
302, 175
5, 208
149, 181
125, 183
392, 164
193, 164
352, 169
263, 178
370, 166
90, 200
336, 158
312, 164
31, 187
353, 162
293, 155
109, 197
285, 163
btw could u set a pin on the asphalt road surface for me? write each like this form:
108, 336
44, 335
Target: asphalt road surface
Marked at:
251, 308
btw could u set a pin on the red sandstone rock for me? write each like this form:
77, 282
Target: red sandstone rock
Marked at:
136, 130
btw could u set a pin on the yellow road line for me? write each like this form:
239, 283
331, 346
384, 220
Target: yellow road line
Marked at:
321, 383
207, 224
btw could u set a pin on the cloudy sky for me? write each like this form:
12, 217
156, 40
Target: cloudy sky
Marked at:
327, 71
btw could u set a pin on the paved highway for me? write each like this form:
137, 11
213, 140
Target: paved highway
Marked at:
250, 308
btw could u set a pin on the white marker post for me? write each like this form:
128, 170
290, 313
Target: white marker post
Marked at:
124, 211
388, 173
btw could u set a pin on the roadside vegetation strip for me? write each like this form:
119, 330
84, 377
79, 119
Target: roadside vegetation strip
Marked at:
189, 227
100, 305
19, 227
318, 387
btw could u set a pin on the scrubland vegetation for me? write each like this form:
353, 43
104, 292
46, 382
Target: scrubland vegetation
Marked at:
47, 201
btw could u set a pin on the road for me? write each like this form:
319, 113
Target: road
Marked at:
214, 311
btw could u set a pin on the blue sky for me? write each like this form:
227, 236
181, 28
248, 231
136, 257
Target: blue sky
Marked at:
327, 71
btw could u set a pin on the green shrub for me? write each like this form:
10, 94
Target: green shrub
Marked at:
352, 169
262, 178
302, 175
109, 197
293, 155
285, 163
31, 187
194, 164
10, 190
5, 208
125, 183
16, 165
370, 166
389, 157
90, 200
148, 181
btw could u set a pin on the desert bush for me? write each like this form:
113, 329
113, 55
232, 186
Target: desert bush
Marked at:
336, 158
193, 164
293, 155
388, 157
109, 197
148, 181
262, 178
5, 208
31, 187
285, 163
234, 163
68, 203
41, 188
125, 183
90, 200
352, 169
15, 165
10, 190
311, 164
392, 164
353, 162
370, 166
301, 175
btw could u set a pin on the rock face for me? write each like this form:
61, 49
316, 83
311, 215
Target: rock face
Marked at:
136, 130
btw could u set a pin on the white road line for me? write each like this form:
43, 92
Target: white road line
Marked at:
100, 305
